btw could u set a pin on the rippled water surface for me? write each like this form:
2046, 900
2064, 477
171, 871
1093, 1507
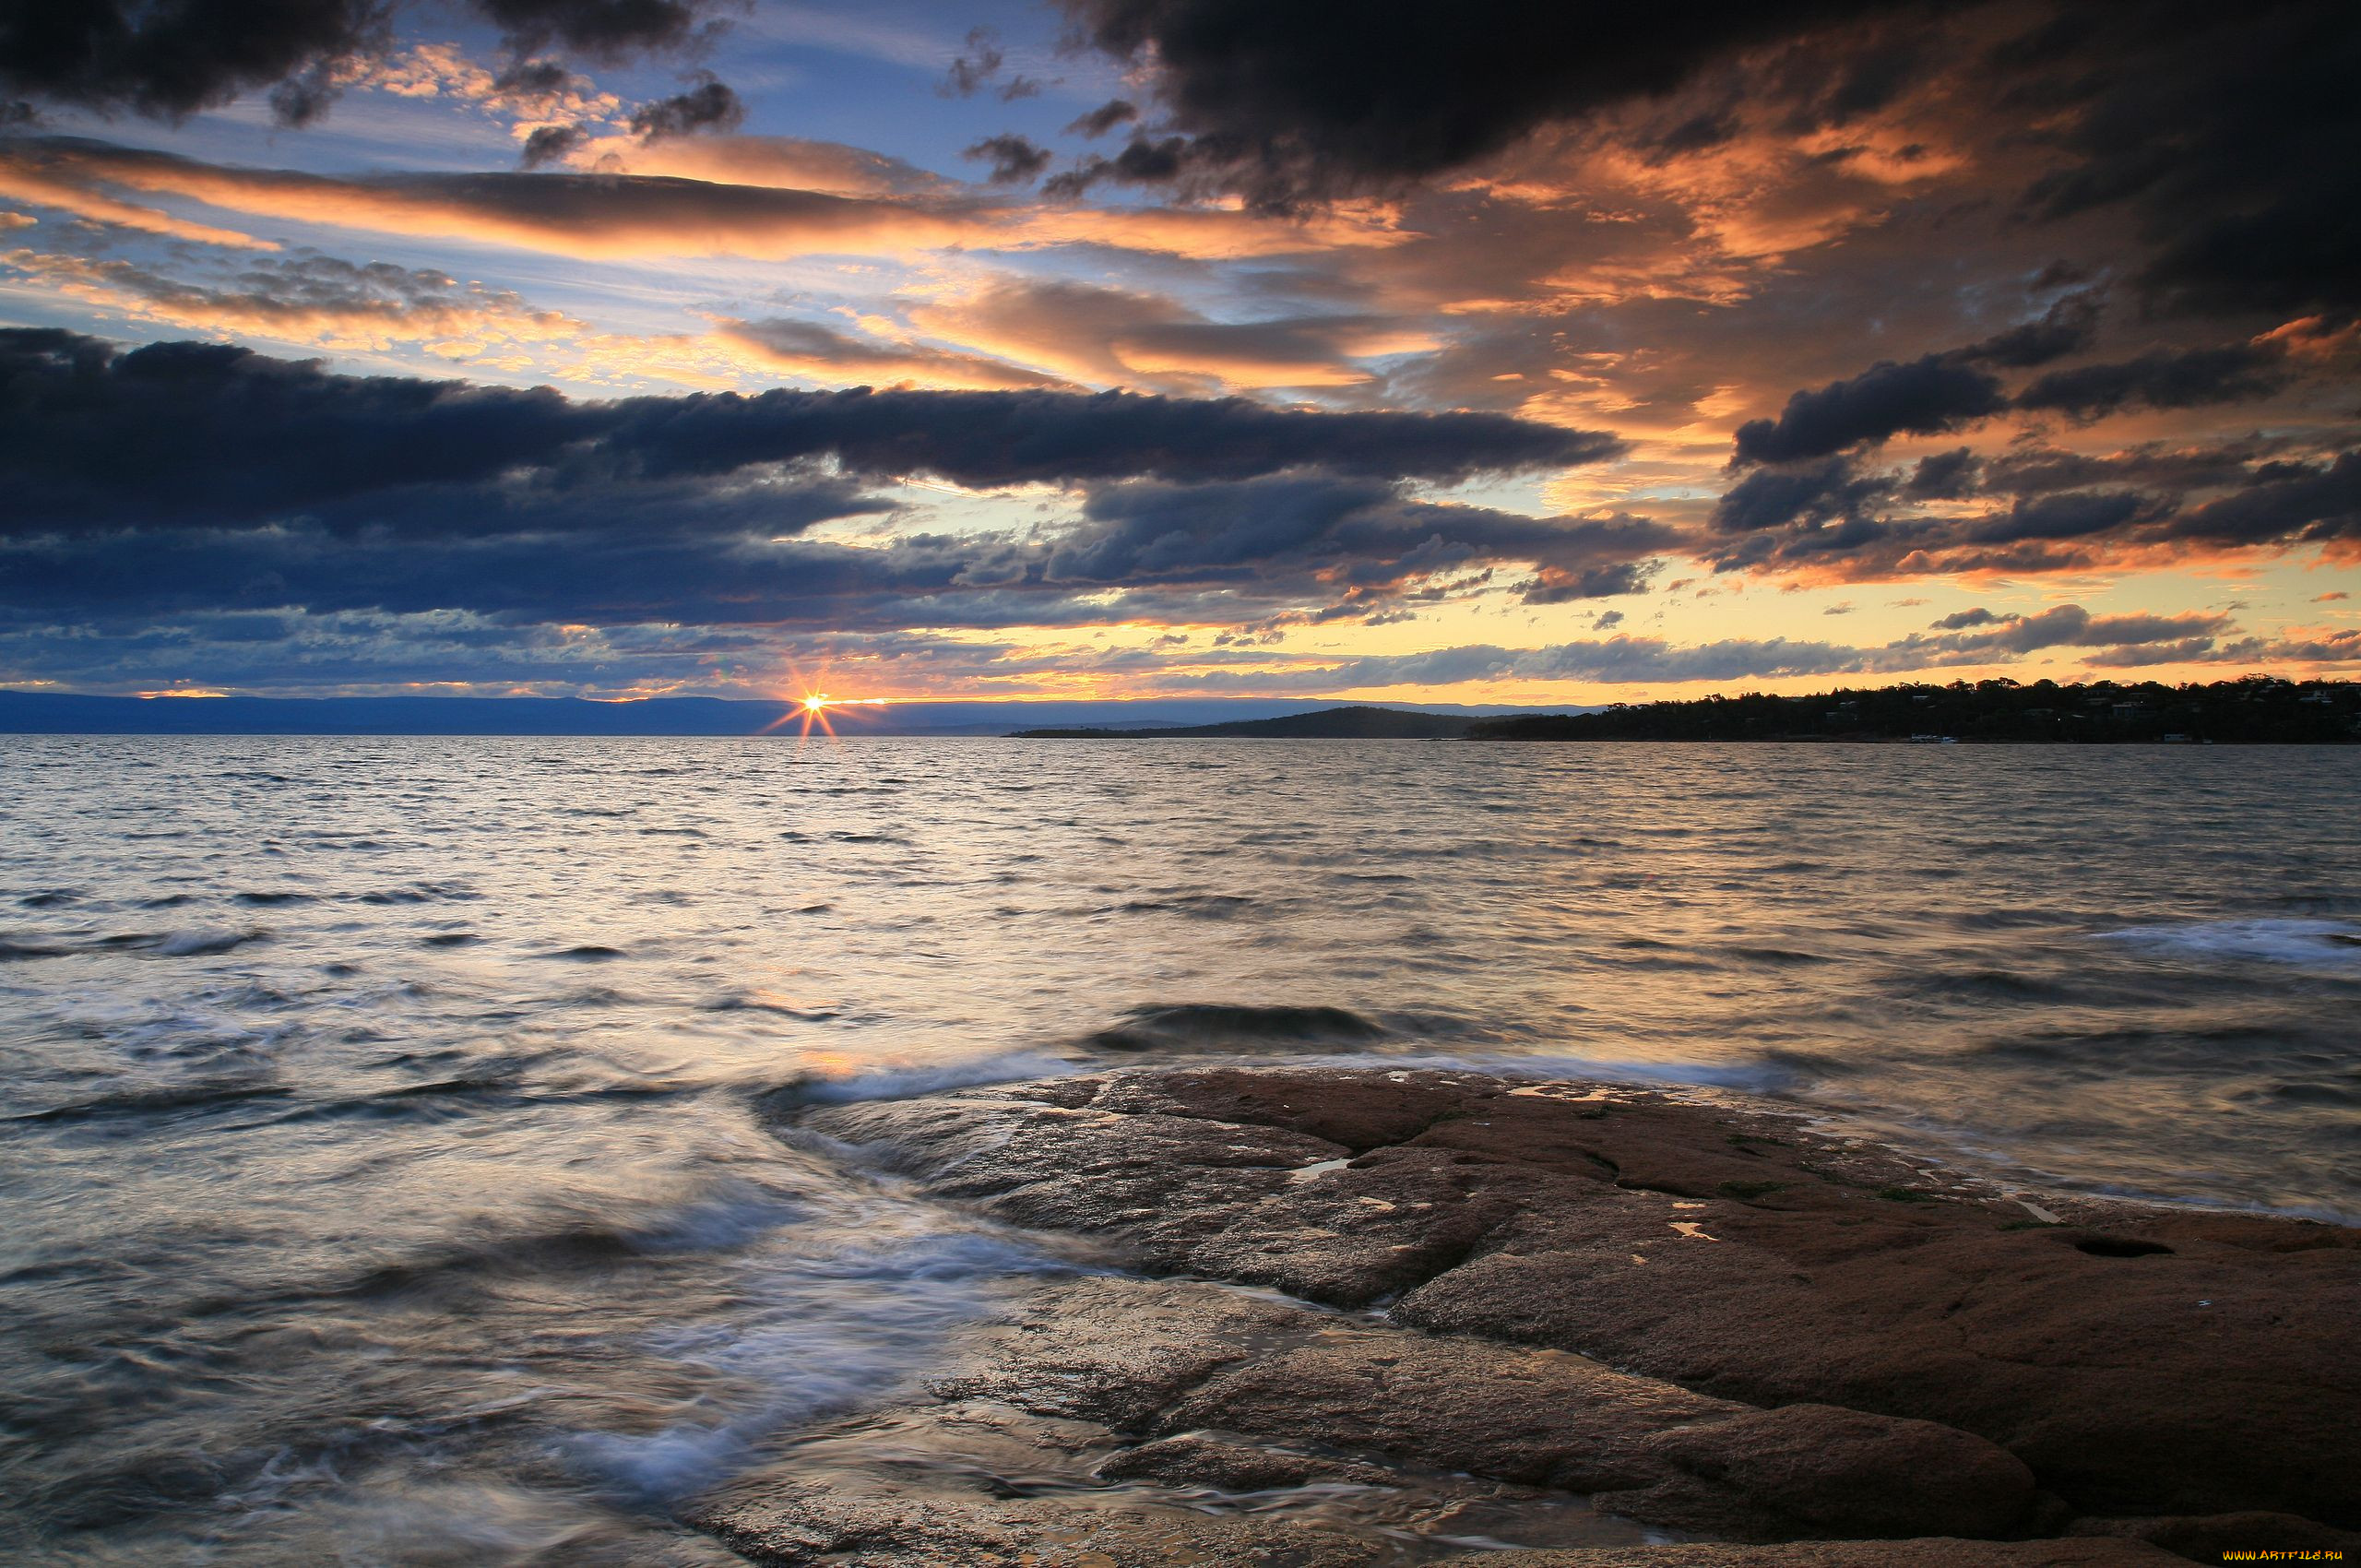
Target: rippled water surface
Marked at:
382, 1169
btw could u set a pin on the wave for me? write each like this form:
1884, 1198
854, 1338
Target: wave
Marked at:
764, 1002
908, 1083
2275, 941
200, 944
1770, 1074
419, 893
839, 1330
1197, 905
135, 1103
1203, 1024
11, 947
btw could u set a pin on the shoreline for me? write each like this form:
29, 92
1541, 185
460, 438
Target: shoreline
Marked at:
1583, 1307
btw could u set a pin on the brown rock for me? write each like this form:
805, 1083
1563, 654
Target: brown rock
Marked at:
1846, 1554
2141, 1362
2208, 1538
1836, 1472
1196, 1460
1161, 1359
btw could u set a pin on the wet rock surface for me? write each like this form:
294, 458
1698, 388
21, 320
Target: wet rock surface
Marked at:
1165, 1357
1852, 1554
1705, 1316
1120, 1422
962, 1478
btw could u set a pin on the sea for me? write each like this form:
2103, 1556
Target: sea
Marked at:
384, 1175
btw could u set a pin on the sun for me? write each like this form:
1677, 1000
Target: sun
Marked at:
816, 703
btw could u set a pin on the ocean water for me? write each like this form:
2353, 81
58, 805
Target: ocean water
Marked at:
381, 1170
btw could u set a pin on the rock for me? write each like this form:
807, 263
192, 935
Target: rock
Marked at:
2140, 1361
1197, 1459
2209, 1538
1835, 1472
1846, 1554
973, 1481
790, 1524
1159, 1359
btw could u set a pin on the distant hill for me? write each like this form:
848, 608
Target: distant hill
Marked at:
1324, 724
74, 713
2256, 711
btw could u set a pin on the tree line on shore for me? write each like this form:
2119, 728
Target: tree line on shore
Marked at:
2253, 709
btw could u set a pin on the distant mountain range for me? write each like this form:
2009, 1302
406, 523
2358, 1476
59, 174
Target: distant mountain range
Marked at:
56, 713
2255, 709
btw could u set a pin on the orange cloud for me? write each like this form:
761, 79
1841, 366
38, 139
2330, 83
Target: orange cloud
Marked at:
780, 162
330, 305
576, 215
28, 182
617, 216
1122, 337
837, 359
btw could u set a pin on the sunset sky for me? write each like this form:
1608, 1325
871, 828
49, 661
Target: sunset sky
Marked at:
1460, 352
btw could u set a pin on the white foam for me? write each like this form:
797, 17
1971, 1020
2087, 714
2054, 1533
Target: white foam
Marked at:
726, 1219
905, 1083
835, 1330
1748, 1077
2284, 941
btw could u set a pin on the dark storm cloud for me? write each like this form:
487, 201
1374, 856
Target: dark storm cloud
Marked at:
1983, 633
2226, 141
616, 575
2176, 469
227, 435
623, 555
1292, 101
610, 29
1014, 159
1106, 117
263, 485
1606, 581
173, 59
1942, 392
2067, 328
2232, 136
1774, 498
2075, 515
1925, 397
973, 66
1362, 532
2064, 512
2161, 379
1944, 476
550, 144
710, 106
1978, 616
1144, 160
2304, 503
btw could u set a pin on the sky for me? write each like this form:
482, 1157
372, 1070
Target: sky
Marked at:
1114, 349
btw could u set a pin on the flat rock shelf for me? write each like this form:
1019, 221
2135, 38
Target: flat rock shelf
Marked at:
1625, 1326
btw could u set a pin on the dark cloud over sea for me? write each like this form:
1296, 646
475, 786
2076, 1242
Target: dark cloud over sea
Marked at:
1226, 342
